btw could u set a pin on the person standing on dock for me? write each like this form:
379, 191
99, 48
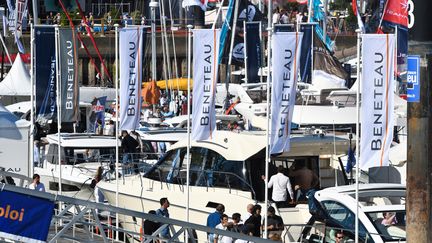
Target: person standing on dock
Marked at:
36, 184
163, 212
214, 219
223, 225
255, 220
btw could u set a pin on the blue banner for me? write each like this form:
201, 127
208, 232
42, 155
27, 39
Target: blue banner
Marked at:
413, 79
24, 218
45, 66
224, 30
318, 16
306, 53
253, 50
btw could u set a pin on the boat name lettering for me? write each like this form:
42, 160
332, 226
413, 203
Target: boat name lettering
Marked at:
52, 91
70, 76
286, 88
378, 103
207, 84
132, 80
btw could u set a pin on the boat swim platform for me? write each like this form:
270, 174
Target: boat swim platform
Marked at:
77, 220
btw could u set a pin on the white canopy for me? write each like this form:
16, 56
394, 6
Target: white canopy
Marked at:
17, 81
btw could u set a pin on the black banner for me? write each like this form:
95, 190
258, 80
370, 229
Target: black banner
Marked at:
253, 50
306, 53
418, 17
68, 60
45, 66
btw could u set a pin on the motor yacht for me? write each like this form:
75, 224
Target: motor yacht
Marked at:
225, 169
80, 157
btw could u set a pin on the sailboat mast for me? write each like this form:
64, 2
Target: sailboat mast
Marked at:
228, 76
153, 6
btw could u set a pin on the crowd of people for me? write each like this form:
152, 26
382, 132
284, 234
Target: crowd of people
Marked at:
285, 16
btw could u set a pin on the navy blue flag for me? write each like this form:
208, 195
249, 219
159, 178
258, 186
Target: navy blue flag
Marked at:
351, 160
402, 45
97, 117
306, 53
253, 50
24, 218
45, 66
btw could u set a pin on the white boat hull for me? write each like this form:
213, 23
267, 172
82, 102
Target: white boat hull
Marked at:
142, 194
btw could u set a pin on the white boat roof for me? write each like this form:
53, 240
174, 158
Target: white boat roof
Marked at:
231, 145
366, 187
312, 114
316, 145
374, 197
81, 140
241, 146
163, 135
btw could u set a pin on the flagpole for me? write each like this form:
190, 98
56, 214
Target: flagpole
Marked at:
312, 51
58, 77
396, 87
245, 51
261, 59
357, 136
310, 10
117, 124
35, 11
189, 40
228, 74
32, 127
269, 34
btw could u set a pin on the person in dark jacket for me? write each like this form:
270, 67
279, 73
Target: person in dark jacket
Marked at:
128, 145
255, 219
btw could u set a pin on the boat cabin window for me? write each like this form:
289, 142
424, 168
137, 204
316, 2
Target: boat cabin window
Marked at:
207, 168
73, 155
342, 216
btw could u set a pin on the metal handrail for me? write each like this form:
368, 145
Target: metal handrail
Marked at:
87, 215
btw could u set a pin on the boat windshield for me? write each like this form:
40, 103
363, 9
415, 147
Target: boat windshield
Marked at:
74, 155
390, 225
207, 168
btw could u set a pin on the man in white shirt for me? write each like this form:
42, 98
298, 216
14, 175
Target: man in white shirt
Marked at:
222, 226
36, 184
280, 184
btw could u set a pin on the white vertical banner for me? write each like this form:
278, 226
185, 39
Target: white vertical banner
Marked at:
286, 61
131, 58
205, 74
377, 100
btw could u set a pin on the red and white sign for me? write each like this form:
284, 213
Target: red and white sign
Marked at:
396, 12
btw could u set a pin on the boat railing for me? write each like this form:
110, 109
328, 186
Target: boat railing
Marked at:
82, 220
131, 163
